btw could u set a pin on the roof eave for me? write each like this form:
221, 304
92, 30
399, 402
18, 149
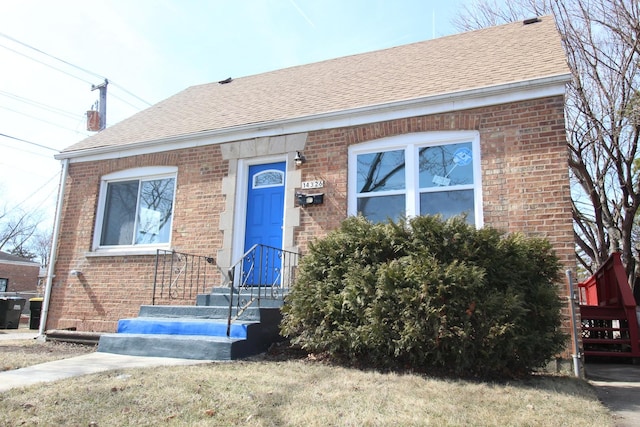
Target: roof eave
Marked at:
439, 103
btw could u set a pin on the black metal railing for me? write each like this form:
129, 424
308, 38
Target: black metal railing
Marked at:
263, 272
181, 276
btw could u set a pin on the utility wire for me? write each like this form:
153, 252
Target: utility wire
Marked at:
76, 77
122, 100
41, 105
131, 94
51, 56
37, 190
42, 120
45, 64
29, 142
69, 64
13, 147
39, 205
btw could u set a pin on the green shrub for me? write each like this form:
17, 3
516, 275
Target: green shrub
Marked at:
428, 295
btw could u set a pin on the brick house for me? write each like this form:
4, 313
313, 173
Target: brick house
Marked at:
18, 275
471, 123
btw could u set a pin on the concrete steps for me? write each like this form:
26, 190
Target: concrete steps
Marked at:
197, 332
178, 346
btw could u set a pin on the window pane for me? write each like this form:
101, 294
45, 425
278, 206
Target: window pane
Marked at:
446, 165
120, 213
379, 209
154, 215
268, 178
448, 204
381, 171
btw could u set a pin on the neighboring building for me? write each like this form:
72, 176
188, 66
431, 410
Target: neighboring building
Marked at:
468, 123
18, 275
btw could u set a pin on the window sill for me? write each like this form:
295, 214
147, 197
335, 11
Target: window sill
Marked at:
124, 252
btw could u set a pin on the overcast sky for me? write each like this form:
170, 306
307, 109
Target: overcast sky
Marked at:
51, 52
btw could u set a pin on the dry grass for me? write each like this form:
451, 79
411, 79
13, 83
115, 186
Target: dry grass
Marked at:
297, 393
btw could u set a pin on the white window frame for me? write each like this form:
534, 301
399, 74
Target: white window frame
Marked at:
142, 174
411, 143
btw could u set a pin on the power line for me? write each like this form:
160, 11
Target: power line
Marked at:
76, 77
122, 100
44, 63
40, 105
42, 120
42, 202
131, 94
51, 56
29, 142
37, 190
69, 114
13, 147
69, 64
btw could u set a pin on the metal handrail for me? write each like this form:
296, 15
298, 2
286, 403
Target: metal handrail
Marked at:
263, 272
180, 275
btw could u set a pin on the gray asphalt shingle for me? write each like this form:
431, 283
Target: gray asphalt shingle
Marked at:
472, 60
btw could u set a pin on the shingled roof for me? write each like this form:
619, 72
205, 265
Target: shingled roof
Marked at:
484, 58
6, 257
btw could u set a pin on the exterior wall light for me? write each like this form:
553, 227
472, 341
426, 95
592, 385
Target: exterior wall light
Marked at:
299, 158
309, 199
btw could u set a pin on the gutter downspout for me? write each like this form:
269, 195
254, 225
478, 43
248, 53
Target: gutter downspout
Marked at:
54, 249
574, 327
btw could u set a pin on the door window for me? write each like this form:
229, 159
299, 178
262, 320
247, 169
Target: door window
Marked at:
268, 178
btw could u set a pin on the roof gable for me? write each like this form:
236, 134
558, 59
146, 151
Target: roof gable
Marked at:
478, 59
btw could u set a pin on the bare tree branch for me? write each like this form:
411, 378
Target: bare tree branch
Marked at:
602, 43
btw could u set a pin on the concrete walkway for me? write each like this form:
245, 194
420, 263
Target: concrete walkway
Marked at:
90, 363
618, 388
80, 365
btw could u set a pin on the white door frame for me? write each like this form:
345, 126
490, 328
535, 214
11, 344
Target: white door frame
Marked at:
240, 209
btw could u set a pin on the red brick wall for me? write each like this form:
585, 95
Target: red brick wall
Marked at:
111, 288
22, 277
524, 180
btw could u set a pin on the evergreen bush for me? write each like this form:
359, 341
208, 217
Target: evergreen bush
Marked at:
428, 295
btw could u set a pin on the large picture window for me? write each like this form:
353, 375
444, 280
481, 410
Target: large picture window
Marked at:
416, 174
136, 207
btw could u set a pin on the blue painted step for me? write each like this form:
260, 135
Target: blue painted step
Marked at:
177, 326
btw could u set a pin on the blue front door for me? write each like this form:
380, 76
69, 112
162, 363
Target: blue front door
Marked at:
265, 213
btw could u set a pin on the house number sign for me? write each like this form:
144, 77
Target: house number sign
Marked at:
312, 184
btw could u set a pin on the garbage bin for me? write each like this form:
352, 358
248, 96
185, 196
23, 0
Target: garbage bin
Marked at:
35, 306
10, 311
